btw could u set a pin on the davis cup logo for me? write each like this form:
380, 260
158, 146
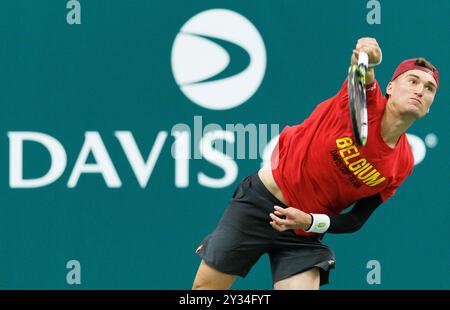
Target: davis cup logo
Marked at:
218, 59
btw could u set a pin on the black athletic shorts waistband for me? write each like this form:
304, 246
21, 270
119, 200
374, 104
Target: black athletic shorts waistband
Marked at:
262, 189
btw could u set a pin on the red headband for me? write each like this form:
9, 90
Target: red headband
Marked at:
410, 64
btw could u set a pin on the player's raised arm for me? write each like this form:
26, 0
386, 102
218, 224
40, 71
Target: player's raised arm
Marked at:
371, 47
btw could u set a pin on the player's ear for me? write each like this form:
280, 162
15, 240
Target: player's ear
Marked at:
389, 88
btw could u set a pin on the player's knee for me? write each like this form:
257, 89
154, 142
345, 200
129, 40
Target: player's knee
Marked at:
201, 285
210, 279
212, 282
309, 280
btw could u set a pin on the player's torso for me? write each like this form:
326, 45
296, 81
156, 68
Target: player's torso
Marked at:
341, 171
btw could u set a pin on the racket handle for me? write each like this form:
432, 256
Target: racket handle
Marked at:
363, 59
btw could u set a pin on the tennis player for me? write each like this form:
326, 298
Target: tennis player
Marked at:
316, 172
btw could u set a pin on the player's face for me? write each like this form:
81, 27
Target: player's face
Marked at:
412, 93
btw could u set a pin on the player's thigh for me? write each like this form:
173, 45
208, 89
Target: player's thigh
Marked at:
208, 278
307, 280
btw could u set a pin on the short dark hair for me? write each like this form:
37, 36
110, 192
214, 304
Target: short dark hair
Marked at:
422, 62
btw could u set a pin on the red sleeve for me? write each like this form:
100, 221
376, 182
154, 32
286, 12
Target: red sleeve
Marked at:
373, 92
390, 190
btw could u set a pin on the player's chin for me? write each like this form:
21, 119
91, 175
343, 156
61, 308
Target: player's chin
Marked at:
413, 111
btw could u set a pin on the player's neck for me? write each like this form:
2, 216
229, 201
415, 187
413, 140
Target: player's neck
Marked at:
393, 125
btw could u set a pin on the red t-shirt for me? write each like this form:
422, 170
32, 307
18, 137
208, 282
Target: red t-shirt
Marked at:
320, 169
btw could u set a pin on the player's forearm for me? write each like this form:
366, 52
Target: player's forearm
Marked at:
345, 223
348, 222
355, 219
337, 224
370, 76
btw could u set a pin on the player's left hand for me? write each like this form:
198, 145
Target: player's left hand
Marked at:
294, 219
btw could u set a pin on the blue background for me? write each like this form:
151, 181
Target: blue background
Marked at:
113, 72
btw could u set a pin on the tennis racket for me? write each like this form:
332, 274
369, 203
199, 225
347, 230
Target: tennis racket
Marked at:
357, 98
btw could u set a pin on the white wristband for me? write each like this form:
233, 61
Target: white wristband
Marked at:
320, 224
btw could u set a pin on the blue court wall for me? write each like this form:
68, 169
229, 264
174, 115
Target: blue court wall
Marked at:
97, 96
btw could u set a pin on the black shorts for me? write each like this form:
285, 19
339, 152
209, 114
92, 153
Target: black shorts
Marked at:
244, 234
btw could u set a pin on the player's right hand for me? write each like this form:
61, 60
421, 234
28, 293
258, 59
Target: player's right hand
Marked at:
371, 47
